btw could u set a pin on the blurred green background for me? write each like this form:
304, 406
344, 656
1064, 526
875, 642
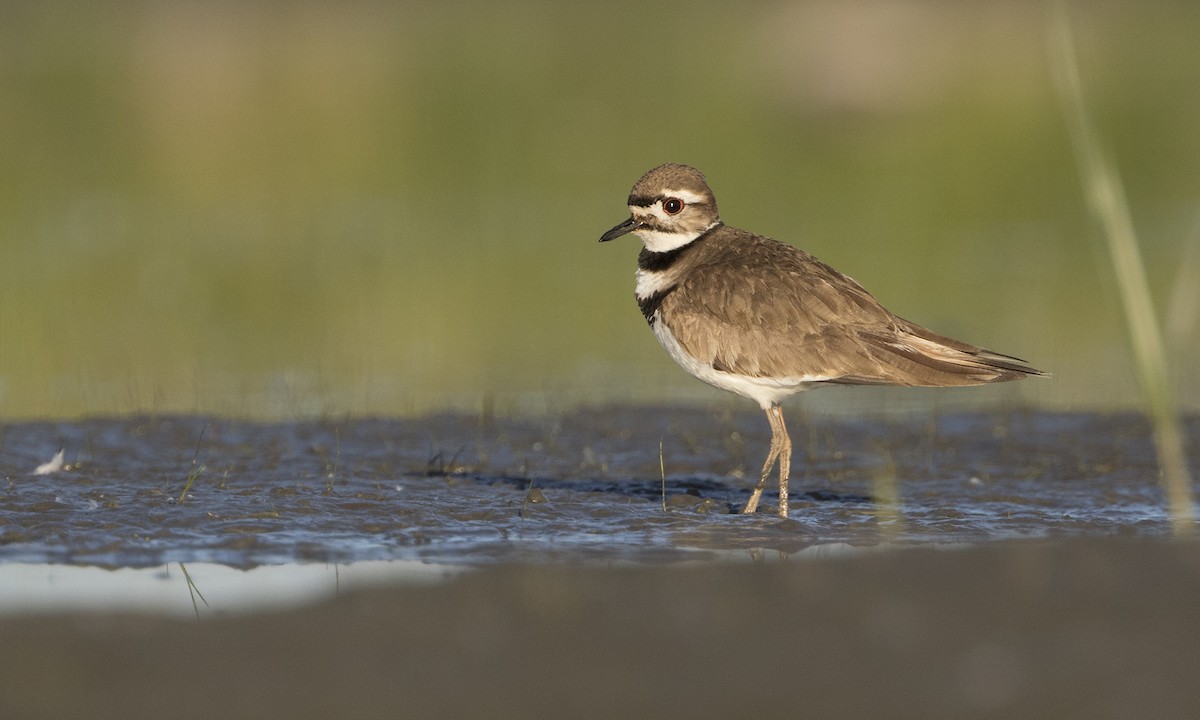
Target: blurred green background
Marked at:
285, 209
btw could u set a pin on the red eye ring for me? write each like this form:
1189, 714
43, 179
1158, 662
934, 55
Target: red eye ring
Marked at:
672, 205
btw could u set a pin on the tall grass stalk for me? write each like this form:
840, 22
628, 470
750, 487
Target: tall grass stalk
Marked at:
197, 468
662, 474
1106, 199
885, 487
1183, 310
331, 476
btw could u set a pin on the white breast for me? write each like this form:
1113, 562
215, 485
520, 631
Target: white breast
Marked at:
650, 282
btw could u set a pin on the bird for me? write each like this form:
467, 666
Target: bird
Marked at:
765, 320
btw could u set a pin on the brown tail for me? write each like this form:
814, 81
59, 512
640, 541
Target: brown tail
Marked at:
918, 357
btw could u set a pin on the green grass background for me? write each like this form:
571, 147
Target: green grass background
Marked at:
284, 209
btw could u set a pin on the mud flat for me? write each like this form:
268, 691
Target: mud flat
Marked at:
1011, 565
1029, 629
586, 486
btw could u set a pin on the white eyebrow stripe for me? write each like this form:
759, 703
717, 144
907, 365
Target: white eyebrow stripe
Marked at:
687, 196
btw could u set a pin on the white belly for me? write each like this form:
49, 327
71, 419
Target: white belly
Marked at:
763, 390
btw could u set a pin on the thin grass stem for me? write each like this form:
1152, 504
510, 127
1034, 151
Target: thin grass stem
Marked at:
1107, 202
886, 490
662, 473
193, 591
196, 468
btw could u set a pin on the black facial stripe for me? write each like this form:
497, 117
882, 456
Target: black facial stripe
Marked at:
652, 223
647, 201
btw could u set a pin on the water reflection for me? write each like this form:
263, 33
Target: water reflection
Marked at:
38, 588
209, 590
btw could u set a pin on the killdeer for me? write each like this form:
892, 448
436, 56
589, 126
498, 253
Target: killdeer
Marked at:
765, 320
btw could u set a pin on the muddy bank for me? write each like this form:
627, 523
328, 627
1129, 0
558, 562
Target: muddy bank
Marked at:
583, 486
1072, 629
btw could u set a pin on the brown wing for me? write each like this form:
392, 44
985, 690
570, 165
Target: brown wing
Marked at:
761, 308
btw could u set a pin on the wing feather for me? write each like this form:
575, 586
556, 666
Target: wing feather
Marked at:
757, 307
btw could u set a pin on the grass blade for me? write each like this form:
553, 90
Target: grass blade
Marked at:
1106, 200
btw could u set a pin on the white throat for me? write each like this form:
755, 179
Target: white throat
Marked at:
657, 241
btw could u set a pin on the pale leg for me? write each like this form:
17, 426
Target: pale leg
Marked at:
781, 449
785, 457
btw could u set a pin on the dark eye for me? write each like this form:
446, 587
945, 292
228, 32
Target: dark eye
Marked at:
672, 206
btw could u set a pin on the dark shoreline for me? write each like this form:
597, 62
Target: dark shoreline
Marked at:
1015, 629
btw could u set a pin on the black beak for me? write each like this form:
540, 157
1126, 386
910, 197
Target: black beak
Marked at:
624, 228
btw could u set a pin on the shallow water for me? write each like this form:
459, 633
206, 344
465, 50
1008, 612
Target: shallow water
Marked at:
583, 486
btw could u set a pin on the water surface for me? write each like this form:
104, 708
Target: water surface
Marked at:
456, 489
